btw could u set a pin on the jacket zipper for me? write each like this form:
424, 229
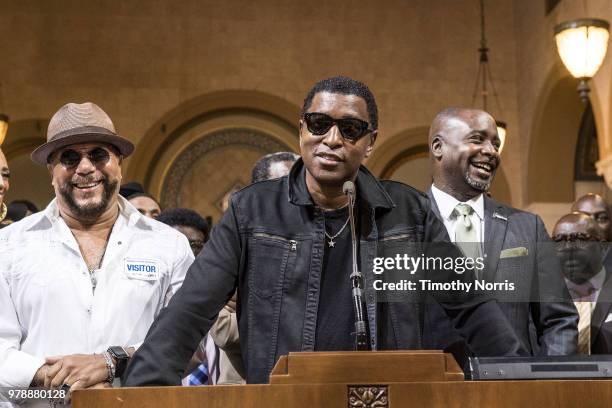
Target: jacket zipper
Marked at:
394, 237
291, 242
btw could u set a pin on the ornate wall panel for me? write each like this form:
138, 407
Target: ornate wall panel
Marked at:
213, 165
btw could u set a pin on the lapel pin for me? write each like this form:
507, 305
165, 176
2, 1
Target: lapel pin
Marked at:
498, 215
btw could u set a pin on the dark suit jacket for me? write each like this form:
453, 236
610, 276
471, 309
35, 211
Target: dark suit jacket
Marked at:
545, 328
601, 331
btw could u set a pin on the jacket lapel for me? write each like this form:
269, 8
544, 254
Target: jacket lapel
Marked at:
434, 205
602, 309
496, 222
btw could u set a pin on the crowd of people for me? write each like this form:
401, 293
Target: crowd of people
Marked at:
104, 287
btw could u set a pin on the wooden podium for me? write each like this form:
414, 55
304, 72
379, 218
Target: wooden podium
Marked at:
391, 379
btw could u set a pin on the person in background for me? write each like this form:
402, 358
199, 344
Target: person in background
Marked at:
128, 189
595, 206
82, 280
189, 223
145, 204
226, 198
5, 176
19, 209
579, 240
273, 165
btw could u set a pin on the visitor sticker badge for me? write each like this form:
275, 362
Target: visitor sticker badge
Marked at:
141, 269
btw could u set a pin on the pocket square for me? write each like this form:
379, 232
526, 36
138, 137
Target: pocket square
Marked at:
513, 252
609, 318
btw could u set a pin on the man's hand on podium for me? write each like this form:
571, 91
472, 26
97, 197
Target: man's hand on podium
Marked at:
78, 371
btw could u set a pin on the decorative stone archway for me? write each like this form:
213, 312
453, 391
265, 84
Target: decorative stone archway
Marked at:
205, 115
228, 130
207, 169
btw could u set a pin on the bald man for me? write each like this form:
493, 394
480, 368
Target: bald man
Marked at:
578, 240
595, 206
464, 155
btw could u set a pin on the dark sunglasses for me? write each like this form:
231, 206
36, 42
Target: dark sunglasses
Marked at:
71, 158
350, 128
576, 239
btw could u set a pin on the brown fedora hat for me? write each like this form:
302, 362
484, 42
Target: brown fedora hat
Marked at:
80, 123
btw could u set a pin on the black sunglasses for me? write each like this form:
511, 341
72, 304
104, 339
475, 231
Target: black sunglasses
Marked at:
350, 128
71, 158
574, 239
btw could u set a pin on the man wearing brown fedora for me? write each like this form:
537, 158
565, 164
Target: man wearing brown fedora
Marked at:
81, 281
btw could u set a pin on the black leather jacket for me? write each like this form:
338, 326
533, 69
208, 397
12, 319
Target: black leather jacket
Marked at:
270, 245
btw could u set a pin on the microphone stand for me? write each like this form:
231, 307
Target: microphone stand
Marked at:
361, 336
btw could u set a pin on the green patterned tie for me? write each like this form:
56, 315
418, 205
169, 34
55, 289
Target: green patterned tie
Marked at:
466, 236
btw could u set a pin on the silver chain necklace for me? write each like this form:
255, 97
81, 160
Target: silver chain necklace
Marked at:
331, 238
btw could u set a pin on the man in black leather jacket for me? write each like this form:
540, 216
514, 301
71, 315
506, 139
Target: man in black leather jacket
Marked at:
285, 245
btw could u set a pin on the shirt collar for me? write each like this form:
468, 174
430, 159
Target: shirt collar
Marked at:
596, 282
368, 188
127, 213
447, 203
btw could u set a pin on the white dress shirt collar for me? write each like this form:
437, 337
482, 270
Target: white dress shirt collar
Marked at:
128, 214
447, 203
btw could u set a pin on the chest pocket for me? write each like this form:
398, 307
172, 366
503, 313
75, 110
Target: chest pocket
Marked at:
519, 270
395, 254
271, 258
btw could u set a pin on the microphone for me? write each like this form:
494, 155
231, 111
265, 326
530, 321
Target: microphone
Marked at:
361, 336
348, 188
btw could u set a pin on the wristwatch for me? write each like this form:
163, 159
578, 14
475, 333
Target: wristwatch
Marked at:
122, 358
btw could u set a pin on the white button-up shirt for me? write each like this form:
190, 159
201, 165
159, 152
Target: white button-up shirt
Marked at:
446, 205
47, 303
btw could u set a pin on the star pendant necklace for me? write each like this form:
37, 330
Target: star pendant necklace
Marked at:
331, 243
